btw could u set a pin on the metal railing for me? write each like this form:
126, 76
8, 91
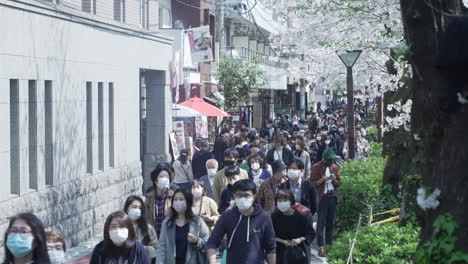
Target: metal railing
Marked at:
254, 55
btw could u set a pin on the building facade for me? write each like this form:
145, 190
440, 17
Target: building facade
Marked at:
86, 107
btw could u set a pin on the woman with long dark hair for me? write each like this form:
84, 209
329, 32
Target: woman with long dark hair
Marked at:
135, 209
25, 241
119, 244
182, 233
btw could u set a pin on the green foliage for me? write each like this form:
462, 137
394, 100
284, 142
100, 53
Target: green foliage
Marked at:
371, 134
370, 120
239, 79
375, 150
381, 244
441, 247
362, 191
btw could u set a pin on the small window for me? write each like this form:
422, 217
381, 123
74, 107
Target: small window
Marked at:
111, 124
48, 140
14, 138
101, 125
165, 18
89, 127
32, 132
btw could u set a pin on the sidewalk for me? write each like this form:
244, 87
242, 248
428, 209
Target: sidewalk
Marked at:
81, 254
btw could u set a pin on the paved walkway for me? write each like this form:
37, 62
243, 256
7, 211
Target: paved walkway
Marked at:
81, 254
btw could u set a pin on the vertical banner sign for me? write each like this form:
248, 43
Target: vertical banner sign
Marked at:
200, 44
201, 126
179, 131
175, 148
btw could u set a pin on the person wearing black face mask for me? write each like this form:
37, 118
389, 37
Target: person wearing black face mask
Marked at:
183, 173
220, 181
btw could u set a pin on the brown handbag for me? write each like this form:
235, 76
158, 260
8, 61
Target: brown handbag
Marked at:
302, 209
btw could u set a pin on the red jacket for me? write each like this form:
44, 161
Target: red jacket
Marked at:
317, 177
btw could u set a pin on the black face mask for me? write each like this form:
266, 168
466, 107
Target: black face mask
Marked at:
183, 159
229, 162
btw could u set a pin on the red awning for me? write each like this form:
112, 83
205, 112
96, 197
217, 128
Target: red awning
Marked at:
204, 107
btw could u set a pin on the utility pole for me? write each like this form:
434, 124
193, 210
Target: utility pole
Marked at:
220, 28
350, 114
349, 58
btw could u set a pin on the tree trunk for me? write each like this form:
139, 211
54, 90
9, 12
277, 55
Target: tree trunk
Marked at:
444, 134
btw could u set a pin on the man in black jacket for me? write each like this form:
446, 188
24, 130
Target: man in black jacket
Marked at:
303, 190
221, 144
279, 152
200, 158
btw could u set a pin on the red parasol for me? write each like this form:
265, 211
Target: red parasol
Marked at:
204, 107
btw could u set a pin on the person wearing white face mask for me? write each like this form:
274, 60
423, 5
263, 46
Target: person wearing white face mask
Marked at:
119, 244
258, 173
183, 234
56, 248
158, 199
211, 169
249, 230
292, 230
135, 209
203, 206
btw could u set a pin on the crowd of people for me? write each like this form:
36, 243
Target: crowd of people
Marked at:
252, 198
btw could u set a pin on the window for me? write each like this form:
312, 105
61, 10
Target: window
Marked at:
48, 133
14, 138
165, 18
32, 132
101, 125
111, 124
89, 127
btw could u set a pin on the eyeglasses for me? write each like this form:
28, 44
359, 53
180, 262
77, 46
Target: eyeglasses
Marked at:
243, 195
20, 231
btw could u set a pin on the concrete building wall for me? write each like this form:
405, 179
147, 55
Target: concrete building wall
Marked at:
60, 74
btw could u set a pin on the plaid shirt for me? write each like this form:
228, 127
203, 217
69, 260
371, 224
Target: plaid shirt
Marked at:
266, 194
159, 204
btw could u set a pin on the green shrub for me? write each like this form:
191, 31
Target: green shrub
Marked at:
370, 120
375, 150
362, 190
381, 244
371, 134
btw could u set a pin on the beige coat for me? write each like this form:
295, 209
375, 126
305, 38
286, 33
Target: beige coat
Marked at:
220, 182
208, 208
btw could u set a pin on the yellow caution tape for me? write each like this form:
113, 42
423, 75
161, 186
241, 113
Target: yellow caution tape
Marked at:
390, 211
391, 219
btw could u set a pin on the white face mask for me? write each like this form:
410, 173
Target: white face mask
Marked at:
294, 174
244, 204
163, 183
255, 166
118, 236
197, 192
327, 142
56, 256
134, 213
284, 206
211, 172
